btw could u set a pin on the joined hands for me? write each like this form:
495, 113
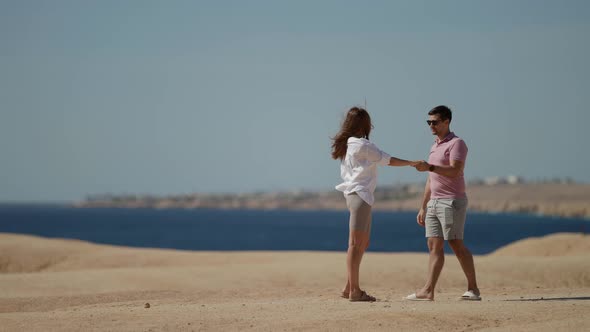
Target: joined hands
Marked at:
421, 166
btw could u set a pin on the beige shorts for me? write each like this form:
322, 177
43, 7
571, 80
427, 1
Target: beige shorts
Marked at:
360, 213
446, 218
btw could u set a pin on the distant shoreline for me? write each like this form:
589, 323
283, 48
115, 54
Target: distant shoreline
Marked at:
545, 199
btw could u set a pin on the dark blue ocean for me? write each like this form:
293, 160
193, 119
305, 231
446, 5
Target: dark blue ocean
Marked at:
209, 229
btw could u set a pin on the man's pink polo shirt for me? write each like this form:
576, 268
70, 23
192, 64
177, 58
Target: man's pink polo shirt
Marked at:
441, 154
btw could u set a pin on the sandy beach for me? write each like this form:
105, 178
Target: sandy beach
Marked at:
540, 284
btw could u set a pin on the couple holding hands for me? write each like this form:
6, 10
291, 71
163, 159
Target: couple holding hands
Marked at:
443, 208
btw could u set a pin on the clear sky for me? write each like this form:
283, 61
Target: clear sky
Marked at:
174, 97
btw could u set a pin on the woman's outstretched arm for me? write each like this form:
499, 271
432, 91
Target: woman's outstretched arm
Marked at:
393, 161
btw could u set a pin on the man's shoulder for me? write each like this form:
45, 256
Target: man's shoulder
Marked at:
457, 140
454, 136
458, 145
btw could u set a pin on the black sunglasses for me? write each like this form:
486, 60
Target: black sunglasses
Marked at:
432, 122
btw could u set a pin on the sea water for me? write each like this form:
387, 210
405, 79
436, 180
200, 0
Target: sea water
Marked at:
211, 229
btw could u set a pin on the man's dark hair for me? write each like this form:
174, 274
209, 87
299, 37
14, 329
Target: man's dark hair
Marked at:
443, 111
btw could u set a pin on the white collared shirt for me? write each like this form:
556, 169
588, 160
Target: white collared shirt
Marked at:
358, 169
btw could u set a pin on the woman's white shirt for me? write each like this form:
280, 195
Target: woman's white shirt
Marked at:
358, 169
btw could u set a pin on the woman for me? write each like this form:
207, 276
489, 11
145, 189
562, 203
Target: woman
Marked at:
358, 168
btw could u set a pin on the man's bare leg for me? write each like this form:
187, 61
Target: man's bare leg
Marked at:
436, 261
466, 260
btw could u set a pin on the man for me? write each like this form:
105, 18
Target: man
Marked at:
444, 206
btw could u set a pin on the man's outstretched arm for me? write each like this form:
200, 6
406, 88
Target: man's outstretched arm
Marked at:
452, 171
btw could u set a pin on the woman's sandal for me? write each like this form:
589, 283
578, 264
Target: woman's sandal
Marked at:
363, 298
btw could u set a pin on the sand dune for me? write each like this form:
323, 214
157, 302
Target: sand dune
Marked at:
53, 284
560, 244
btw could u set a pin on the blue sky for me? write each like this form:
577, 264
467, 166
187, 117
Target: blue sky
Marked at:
173, 97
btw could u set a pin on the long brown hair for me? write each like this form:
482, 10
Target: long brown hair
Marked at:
357, 124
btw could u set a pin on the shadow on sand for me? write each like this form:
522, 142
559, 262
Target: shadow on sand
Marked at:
579, 298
